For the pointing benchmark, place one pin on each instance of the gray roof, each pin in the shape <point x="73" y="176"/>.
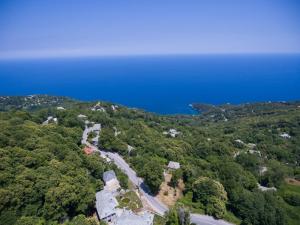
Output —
<point x="109" y="175"/>
<point x="97" y="127"/>
<point x="129" y="218"/>
<point x="174" y="165"/>
<point x="106" y="204"/>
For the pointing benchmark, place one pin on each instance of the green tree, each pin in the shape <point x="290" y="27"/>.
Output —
<point x="153" y="175"/>
<point x="212" y="195"/>
<point x="25" y="220"/>
<point x="172" y="217"/>
<point x="204" y="188"/>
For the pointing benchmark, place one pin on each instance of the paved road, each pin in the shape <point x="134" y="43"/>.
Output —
<point x="159" y="207"/>
<point x="207" y="220"/>
<point x="95" y="128"/>
<point x="154" y="203"/>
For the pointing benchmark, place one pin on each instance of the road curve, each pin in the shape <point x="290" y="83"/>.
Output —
<point x="155" y="204"/>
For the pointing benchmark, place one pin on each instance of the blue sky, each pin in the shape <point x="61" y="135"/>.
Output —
<point x="64" y="28"/>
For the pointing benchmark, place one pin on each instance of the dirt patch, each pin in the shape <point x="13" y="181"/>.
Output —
<point x="292" y="181"/>
<point x="169" y="195"/>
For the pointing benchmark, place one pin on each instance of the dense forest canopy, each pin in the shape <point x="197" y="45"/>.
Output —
<point x="224" y="152"/>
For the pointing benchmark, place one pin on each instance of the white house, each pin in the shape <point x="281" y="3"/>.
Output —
<point x="106" y="205"/>
<point x="111" y="181"/>
<point x="173" y="165"/>
<point x="255" y="152"/>
<point x="98" y="107"/>
<point x="81" y="116"/>
<point x="262" y="188"/>
<point x="239" y="141"/>
<point x="285" y="135"/>
<point x="114" y="107"/>
<point x="50" y="119"/>
<point x="172" y="132"/>
<point x="130" y="218"/>
<point x="97" y="127"/>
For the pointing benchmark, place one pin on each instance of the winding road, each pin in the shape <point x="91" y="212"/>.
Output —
<point x="153" y="202"/>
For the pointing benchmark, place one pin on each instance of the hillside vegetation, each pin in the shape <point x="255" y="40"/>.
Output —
<point x="224" y="153"/>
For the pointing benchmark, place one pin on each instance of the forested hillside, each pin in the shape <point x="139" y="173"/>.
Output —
<point x="224" y="154"/>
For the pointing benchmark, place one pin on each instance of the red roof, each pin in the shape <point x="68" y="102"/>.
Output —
<point x="88" y="150"/>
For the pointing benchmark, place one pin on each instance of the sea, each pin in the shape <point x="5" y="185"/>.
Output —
<point x="164" y="84"/>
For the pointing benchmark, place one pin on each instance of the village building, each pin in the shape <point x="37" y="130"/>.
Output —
<point x="50" y="119"/>
<point x="262" y="188"/>
<point x="114" y="107"/>
<point x="116" y="131"/>
<point x="239" y="141"/>
<point x="97" y="127"/>
<point x="98" y="107"/>
<point x="263" y="170"/>
<point x="129" y="148"/>
<point x="174" y="165"/>
<point x="108" y="209"/>
<point x="255" y="152"/>
<point x="130" y="218"/>
<point x="251" y="145"/>
<point x="172" y="132"/>
<point x="285" y="135"/>
<point x="106" y="205"/>
<point x="111" y="182"/>
<point x="81" y="116"/>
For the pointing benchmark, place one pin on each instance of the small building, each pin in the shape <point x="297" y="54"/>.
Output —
<point x="106" y="205"/>
<point x="172" y="132"/>
<point x="129" y="148"/>
<point x="174" y="165"/>
<point x="111" y="181"/>
<point x="285" y="135"/>
<point x="81" y="116"/>
<point x="255" y="152"/>
<point x="50" y="119"/>
<point x="98" y="107"/>
<point x="262" y="188"/>
<point x="97" y="127"/>
<point x="60" y="108"/>
<point x="251" y="146"/>
<point x="263" y="170"/>
<point x="130" y="218"/>
<point x="114" y="107"/>
<point x="239" y="141"/>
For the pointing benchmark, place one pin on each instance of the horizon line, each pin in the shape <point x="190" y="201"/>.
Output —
<point x="66" y="55"/>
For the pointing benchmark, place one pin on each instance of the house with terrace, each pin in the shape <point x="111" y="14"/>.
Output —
<point x="111" y="182"/>
<point x="106" y="205"/>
